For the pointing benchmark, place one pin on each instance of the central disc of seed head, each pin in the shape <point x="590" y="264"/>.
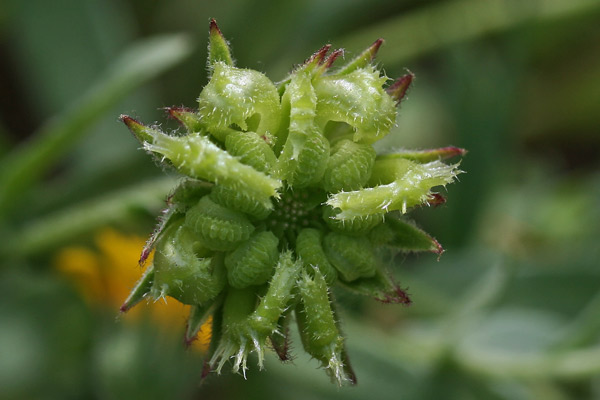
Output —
<point x="294" y="211"/>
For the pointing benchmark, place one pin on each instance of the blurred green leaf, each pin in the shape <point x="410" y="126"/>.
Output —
<point x="141" y="63"/>
<point x="442" y="23"/>
<point x="54" y="229"/>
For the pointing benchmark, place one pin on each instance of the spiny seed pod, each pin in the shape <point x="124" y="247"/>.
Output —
<point x="265" y="319"/>
<point x="252" y="262"/>
<point x="247" y="325"/>
<point x="304" y="156"/>
<point x="217" y="227"/>
<point x="179" y="201"/>
<point x="318" y="329"/>
<point x="235" y="95"/>
<point x="397" y="184"/>
<point x="358" y="99"/>
<point x="180" y="273"/>
<point x="198" y="157"/>
<point x="284" y="198"/>
<point x="234" y="342"/>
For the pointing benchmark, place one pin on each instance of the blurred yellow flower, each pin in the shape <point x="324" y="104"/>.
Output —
<point x="104" y="276"/>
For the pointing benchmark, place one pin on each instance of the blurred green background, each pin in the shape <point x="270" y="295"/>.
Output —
<point x="510" y="311"/>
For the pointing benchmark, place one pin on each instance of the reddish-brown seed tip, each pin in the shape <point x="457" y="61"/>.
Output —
<point x="374" y="48"/>
<point x="205" y="369"/>
<point x="133" y="124"/>
<point x="214" y="28"/>
<point x="436" y="199"/>
<point x="175" y="113"/>
<point x="350" y="374"/>
<point x="439" y="250"/>
<point x="187" y="341"/>
<point x="352" y="378"/>
<point x="171" y="112"/>
<point x="403" y="297"/>
<point x="332" y="57"/>
<point x="396" y="296"/>
<point x="124" y="308"/>
<point x="451" y="151"/>
<point x="282" y="348"/>
<point x="318" y="56"/>
<point x="400" y="87"/>
<point x="144" y="256"/>
<point x="127" y="120"/>
<point x="437" y="247"/>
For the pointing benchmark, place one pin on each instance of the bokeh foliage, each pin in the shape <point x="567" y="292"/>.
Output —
<point x="509" y="312"/>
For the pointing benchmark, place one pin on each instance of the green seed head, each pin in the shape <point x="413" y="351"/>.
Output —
<point x="285" y="197"/>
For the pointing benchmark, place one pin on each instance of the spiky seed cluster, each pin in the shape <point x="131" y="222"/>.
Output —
<point x="284" y="197"/>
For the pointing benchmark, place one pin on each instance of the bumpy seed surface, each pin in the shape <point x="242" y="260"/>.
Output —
<point x="218" y="227"/>
<point x="239" y="201"/>
<point x="233" y="95"/>
<point x="359" y="100"/>
<point x="252" y="150"/>
<point x="280" y="293"/>
<point x="309" y="248"/>
<point x="253" y="261"/>
<point x="349" y="167"/>
<point x="316" y="314"/>
<point x="180" y="273"/>
<point x="352" y="226"/>
<point x="308" y="166"/>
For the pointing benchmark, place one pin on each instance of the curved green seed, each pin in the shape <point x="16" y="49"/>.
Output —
<point x="352" y="257"/>
<point x="349" y="166"/>
<point x="264" y="320"/>
<point x="308" y="166"/>
<point x="352" y="226"/>
<point x="305" y="153"/>
<point x="358" y="99"/>
<point x="240" y="201"/>
<point x="218" y="227"/>
<point x="404" y="236"/>
<point x="251" y="150"/>
<point x="234" y="95"/>
<point x="180" y="273"/>
<point x="253" y="261"/>
<point x="398" y="185"/>
<point x="196" y="156"/>
<point x="317" y="325"/>
<point x="232" y="329"/>
<point x="309" y="249"/>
